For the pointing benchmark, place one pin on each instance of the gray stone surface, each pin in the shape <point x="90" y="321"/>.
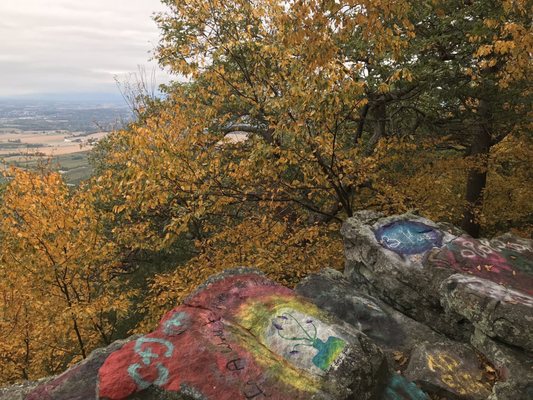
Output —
<point x="395" y="272"/>
<point x="514" y="368"/>
<point x="78" y="382"/>
<point x="20" y="390"/>
<point x="499" y="312"/>
<point x="390" y="329"/>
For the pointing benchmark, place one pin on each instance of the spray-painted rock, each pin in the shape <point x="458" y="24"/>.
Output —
<point x="390" y="329"/>
<point x="494" y="289"/>
<point x="407" y="261"/>
<point x="242" y="336"/>
<point x="514" y="369"/>
<point x="506" y="260"/>
<point x="332" y="292"/>
<point x="449" y="370"/>
<point x="387" y="256"/>
<point x="78" y="382"/>
<point x="399" y="388"/>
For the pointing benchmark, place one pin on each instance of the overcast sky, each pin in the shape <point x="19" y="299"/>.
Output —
<point x="51" y="46"/>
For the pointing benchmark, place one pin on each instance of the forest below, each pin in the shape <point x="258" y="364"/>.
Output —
<point x="389" y="105"/>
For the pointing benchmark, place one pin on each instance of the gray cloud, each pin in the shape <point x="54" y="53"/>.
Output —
<point x="72" y="45"/>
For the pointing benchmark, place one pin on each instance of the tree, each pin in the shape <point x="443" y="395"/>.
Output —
<point x="59" y="296"/>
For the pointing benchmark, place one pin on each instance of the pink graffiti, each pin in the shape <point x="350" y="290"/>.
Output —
<point x="494" y="262"/>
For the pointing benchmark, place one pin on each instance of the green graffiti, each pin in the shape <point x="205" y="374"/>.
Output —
<point x="146" y="356"/>
<point x="328" y="351"/>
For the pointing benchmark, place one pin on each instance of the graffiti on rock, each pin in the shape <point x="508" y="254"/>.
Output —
<point x="226" y="340"/>
<point x="450" y="371"/>
<point x="303" y="339"/>
<point x="406" y="237"/>
<point x="176" y="324"/>
<point x="505" y="264"/>
<point x="399" y="388"/>
<point x="148" y="354"/>
<point x="304" y="334"/>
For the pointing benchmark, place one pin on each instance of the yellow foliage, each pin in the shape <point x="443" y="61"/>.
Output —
<point x="57" y="293"/>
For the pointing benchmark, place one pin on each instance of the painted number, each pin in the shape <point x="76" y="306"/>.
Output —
<point x="147" y="355"/>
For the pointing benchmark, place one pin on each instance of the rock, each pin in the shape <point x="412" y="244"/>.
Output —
<point x="19" y="391"/>
<point x="514" y="368"/>
<point x="497" y="311"/>
<point x="449" y="370"/>
<point x="387" y="256"/>
<point x="495" y="292"/>
<point x="409" y="286"/>
<point x="408" y="262"/>
<point x="391" y="330"/>
<point x="78" y="382"/>
<point x="242" y="336"/>
<point x="399" y="388"/>
<point x="330" y="291"/>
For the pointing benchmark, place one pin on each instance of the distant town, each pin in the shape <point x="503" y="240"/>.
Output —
<point x="57" y="130"/>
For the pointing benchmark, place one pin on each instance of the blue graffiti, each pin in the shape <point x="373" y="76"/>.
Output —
<point x="176" y="324"/>
<point x="408" y="237"/>
<point x="146" y="357"/>
<point x="162" y="376"/>
<point x="400" y="388"/>
<point x="327" y="351"/>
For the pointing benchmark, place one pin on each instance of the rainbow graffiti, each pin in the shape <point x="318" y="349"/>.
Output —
<point x="296" y="330"/>
<point x="240" y="332"/>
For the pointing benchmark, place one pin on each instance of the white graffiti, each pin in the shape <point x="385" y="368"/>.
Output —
<point x="472" y="251"/>
<point x="483" y="248"/>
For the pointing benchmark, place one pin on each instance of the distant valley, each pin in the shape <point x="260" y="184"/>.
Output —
<point x="59" y="130"/>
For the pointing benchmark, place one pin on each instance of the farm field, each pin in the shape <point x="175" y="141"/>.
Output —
<point x="73" y="166"/>
<point x="65" y="152"/>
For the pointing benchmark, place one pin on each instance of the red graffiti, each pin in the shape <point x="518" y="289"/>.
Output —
<point x="196" y="345"/>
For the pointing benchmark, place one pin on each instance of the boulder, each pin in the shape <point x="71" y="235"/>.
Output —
<point x="242" y="336"/>
<point x="514" y="368"/>
<point x="498" y="311"/>
<point x="446" y="279"/>
<point x="387" y="256"/>
<point x="79" y="381"/>
<point x="410" y="346"/>
<point x="391" y="330"/>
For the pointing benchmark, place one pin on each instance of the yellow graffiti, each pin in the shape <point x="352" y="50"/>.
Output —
<point x="448" y="369"/>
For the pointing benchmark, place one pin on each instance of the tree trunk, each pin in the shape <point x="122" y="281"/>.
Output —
<point x="477" y="175"/>
<point x="379" y="114"/>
